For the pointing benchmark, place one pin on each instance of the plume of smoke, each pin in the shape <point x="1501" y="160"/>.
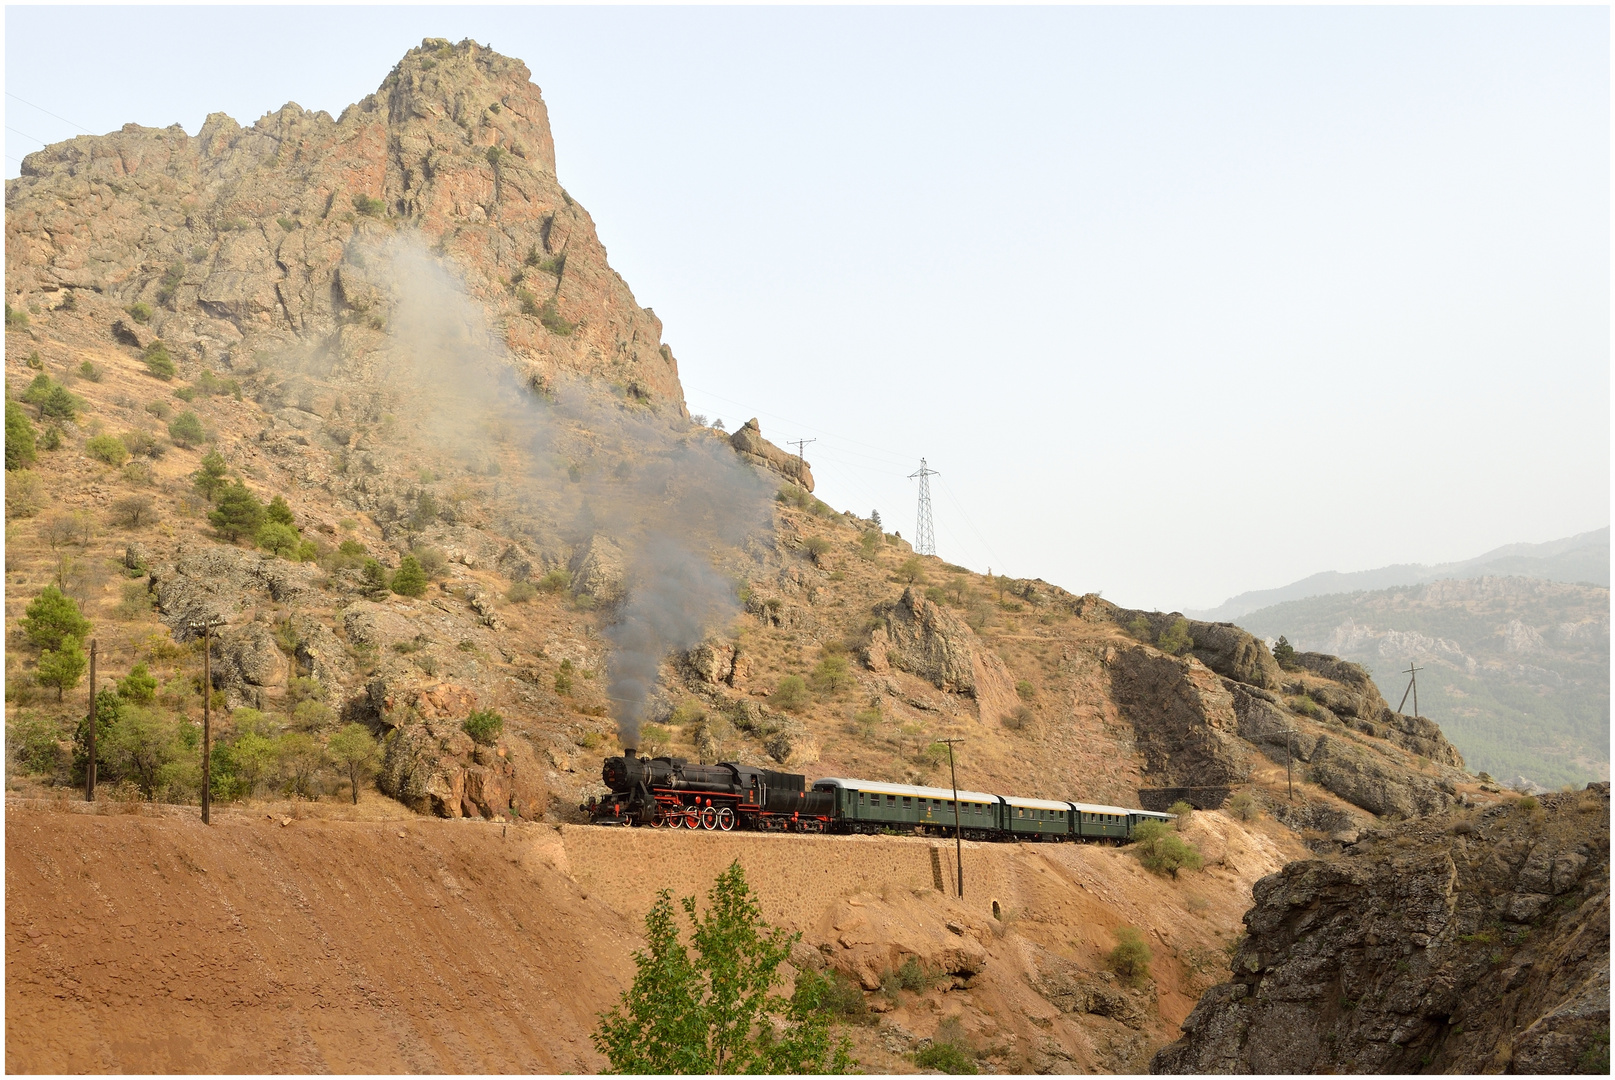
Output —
<point x="674" y="500"/>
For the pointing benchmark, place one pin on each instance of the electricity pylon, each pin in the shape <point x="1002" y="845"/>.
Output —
<point x="924" y="535"/>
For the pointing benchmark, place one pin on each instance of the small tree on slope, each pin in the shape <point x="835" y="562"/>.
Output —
<point x="714" y="1013"/>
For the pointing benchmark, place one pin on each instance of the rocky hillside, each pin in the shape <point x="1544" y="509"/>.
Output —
<point x="401" y="325"/>
<point x="1475" y="943"/>
<point x="365" y="394"/>
<point x="1516" y="669"/>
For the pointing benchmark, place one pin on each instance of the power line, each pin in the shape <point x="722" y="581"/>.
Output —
<point x="47" y="112"/>
<point x="959" y="505"/>
<point x="25" y="135"/>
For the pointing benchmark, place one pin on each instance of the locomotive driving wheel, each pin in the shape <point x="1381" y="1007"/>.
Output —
<point x="675" y="820"/>
<point x="726" y="819"/>
<point x="709" y="819"/>
<point x="692" y="818"/>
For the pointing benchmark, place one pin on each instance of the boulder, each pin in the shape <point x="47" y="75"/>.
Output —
<point x="748" y="441"/>
<point x="247" y="661"/>
<point x="433" y="767"/>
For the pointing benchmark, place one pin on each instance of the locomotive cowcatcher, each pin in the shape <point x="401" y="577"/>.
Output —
<point x="672" y="792"/>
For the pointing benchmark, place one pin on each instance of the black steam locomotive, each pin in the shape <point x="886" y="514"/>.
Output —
<point x="672" y="792"/>
<point x="669" y="792"/>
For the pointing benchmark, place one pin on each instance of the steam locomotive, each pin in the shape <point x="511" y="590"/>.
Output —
<point x="670" y="792"/>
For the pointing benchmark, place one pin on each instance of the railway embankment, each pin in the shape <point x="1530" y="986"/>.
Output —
<point x="148" y="942"/>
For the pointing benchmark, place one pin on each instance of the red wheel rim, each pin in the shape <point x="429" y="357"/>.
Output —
<point x="726" y="819"/>
<point x="656" y="822"/>
<point x="709" y="819"/>
<point x="675" y="821"/>
<point x="692" y="819"/>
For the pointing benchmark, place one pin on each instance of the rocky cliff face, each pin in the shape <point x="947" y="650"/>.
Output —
<point x="1469" y="944"/>
<point x="246" y="240"/>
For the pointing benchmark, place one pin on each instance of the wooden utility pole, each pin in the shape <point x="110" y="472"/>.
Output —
<point x="1289" y="752"/>
<point x="1413" y="688"/>
<point x="958" y="840"/>
<point x="89" y="770"/>
<point x="206" y="627"/>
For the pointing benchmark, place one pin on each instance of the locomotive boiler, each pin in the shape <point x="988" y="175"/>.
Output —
<point x="674" y="793"/>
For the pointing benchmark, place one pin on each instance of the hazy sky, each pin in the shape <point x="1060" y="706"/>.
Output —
<point x="1181" y="302"/>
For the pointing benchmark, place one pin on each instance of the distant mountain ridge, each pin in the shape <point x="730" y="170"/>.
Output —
<point x="1579" y="559"/>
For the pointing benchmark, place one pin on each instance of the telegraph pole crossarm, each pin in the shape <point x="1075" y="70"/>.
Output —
<point x="958" y="841"/>
<point x="205" y="627"/>
<point x="801" y="465"/>
<point x="1413" y="688"/>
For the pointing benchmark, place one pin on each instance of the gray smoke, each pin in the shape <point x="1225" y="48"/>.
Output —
<point x="579" y="463"/>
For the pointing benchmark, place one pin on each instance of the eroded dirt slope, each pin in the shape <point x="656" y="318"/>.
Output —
<point x="148" y="942"/>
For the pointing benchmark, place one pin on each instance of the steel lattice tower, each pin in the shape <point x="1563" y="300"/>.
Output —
<point x="924" y="535"/>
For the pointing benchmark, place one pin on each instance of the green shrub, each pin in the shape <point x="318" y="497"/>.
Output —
<point x="529" y="303"/>
<point x="1175" y="639"/>
<point x="410" y="580"/>
<point x="832" y="673"/>
<point x="790" y="694"/>
<point x="950" y="1051"/>
<point x="370" y="207"/>
<point x="173" y="277"/>
<point x="1284" y="653"/>
<point x="869" y="544"/>
<point x="913" y="976"/>
<point x="521" y="591"/>
<point x="484" y="726"/>
<point x="654" y="740"/>
<point x="52" y="616"/>
<point x="817" y="548"/>
<point x="912" y="570"/>
<point x="563" y="678"/>
<point x="139" y="687"/>
<point x="108" y="449"/>
<point x="139" y="312"/>
<point x="238" y="513"/>
<point x="1140" y="628"/>
<point x="54" y="401"/>
<point x="1528" y="803"/>
<point x="88" y="370"/>
<point x="63" y="666"/>
<point x="15" y="318"/>
<point x="374" y="579"/>
<point x="1243" y="806"/>
<point x="20" y="444"/>
<point x="286" y="223"/>
<point x="1304" y="705"/>
<point x="278" y="538"/>
<point x="209" y="481"/>
<point x="33" y="742"/>
<point x="186" y="429"/>
<point x="1162" y="850"/>
<point x="555" y="581"/>
<point x="1025" y="690"/>
<point x="550" y="316"/>
<point x="280" y="513"/>
<point x="142" y="442"/>
<point x="1131" y="957"/>
<point x="24" y="494"/>
<point x="158" y="362"/>
<point x="51" y="439"/>
<point x="1183" y="811"/>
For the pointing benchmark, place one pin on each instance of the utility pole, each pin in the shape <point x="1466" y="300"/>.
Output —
<point x="801" y="465"/>
<point x="1289" y="752"/>
<point x="1413" y="688"/>
<point x="206" y="627"/>
<point x="89" y="770"/>
<point x="958" y="841"/>
<point x="924" y="536"/>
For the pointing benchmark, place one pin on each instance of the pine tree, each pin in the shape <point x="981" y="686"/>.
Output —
<point x="714" y="1012"/>
<point x="20" y="450"/>
<point x="410" y="579"/>
<point x="238" y="514"/>
<point x="278" y="512"/>
<point x="63" y="667"/>
<point x="53" y="616"/>
<point x="139" y="686"/>
<point x="209" y="480"/>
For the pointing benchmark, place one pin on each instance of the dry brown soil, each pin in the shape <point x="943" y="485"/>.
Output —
<point x="144" y="941"/>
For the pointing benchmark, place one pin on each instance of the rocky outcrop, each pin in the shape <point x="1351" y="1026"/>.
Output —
<point x="1351" y="694"/>
<point x="599" y="571"/>
<point x="751" y="445"/>
<point x="217" y="581"/>
<point x="786" y="739"/>
<point x="1183" y="718"/>
<point x="248" y="239"/>
<point x="247" y="662"/>
<point x="1465" y="945"/>
<point x="921" y="638"/>
<point x="1222" y="647"/>
<point x="433" y="767"/>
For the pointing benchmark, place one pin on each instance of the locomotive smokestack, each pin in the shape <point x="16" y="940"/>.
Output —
<point x="628" y="752"/>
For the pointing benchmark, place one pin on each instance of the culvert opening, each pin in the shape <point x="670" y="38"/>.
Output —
<point x="997" y="914"/>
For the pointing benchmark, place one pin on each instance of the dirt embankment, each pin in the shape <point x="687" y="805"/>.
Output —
<point x="151" y="943"/>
